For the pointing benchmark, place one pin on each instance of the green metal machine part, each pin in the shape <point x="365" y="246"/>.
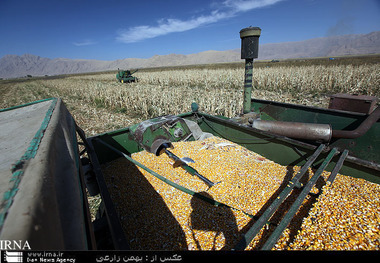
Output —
<point x="125" y="76"/>
<point x="156" y="136"/>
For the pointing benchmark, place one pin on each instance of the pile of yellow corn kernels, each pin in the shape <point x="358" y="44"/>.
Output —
<point x="156" y="216"/>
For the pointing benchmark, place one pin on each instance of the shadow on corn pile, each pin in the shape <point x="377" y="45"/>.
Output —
<point x="147" y="221"/>
<point x="295" y="224"/>
<point x="207" y="217"/>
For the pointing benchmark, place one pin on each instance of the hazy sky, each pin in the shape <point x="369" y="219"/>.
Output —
<point x="117" y="29"/>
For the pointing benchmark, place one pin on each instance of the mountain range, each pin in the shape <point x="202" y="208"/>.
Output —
<point x="12" y="66"/>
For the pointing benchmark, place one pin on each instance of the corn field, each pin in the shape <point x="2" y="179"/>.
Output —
<point x="99" y="103"/>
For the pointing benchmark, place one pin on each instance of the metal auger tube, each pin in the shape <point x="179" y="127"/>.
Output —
<point x="188" y="168"/>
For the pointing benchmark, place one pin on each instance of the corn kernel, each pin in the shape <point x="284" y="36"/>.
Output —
<point x="156" y="216"/>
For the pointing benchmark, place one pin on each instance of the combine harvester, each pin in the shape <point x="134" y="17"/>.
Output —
<point x="44" y="175"/>
<point x="125" y="76"/>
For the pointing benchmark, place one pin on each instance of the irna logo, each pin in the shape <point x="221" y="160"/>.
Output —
<point x="14" y="245"/>
<point x="11" y="256"/>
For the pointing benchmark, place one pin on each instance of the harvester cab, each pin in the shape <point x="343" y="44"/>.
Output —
<point x="125" y="76"/>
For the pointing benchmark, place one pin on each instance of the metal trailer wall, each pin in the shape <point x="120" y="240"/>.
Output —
<point x="42" y="200"/>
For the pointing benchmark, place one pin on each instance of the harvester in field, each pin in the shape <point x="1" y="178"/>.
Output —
<point x="190" y="198"/>
<point x="125" y="76"/>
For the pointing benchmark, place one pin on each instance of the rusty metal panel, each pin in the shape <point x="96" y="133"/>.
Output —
<point x="355" y="103"/>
